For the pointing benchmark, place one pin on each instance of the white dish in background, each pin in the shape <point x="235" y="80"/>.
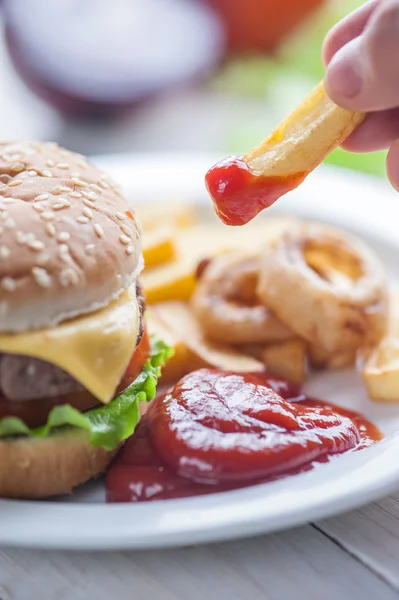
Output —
<point x="367" y="207"/>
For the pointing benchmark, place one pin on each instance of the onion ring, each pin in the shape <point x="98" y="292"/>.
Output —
<point x="327" y="287"/>
<point x="226" y="305"/>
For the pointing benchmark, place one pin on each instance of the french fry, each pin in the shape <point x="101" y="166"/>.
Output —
<point x="178" y="318"/>
<point x="381" y="368"/>
<point x="304" y="139"/>
<point x="159" y="246"/>
<point x="241" y="187"/>
<point x="183" y="360"/>
<point x="287" y="360"/>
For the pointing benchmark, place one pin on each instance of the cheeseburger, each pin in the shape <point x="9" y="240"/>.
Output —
<point x="75" y="356"/>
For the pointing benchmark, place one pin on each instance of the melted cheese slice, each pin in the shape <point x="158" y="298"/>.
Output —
<point x="95" y="348"/>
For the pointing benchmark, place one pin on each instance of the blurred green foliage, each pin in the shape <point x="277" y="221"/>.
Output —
<point x="284" y="80"/>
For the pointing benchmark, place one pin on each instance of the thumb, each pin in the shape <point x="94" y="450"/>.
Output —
<point x="364" y="74"/>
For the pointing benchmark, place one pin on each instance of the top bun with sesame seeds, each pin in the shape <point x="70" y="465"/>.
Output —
<point x="69" y="242"/>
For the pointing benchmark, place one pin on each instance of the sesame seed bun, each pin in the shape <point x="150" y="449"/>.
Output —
<point x="38" y="468"/>
<point x="69" y="242"/>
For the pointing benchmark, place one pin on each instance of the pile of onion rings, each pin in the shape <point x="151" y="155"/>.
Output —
<point x="313" y="282"/>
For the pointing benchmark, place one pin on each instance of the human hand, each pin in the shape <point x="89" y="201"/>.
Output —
<point x="361" y="54"/>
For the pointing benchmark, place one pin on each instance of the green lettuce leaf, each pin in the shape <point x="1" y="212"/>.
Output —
<point x="107" y="425"/>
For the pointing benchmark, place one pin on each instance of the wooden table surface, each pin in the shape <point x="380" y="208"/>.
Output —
<point x="354" y="556"/>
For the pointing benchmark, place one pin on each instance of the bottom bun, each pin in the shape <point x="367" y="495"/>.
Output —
<point x="38" y="468"/>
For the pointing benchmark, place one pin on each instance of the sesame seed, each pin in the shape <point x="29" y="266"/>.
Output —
<point x="127" y="230"/>
<point x="124" y="239"/>
<point x="79" y="182"/>
<point x="63" y="249"/>
<point x="47" y="173"/>
<point x="75" y="195"/>
<point x="15" y="182"/>
<point x="120" y="216"/>
<point x="82" y="220"/>
<point x="89" y="195"/>
<point x="32" y="173"/>
<point x="68" y="276"/>
<point x="103" y="184"/>
<point x="17" y="167"/>
<point x="36" y="245"/>
<point x="50" y="162"/>
<point x="88" y="212"/>
<point x="64" y="236"/>
<point x="129" y="249"/>
<point x="65" y="189"/>
<point x="9" y="223"/>
<point x="9" y="200"/>
<point x="89" y="203"/>
<point x="4" y="252"/>
<point x="41" y="277"/>
<point x="48" y="215"/>
<point x="81" y="163"/>
<point x="2" y="185"/>
<point x="8" y="284"/>
<point x="60" y="205"/>
<point x="95" y="188"/>
<point x="63" y="166"/>
<point x="42" y="197"/>
<point x="98" y="230"/>
<point x="38" y="207"/>
<point x="43" y="258"/>
<point x="21" y="237"/>
<point x="90" y="248"/>
<point x="4" y="214"/>
<point x="56" y="190"/>
<point x="50" y="229"/>
<point x="30" y="238"/>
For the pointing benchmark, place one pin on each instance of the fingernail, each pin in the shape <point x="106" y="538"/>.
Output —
<point x="344" y="75"/>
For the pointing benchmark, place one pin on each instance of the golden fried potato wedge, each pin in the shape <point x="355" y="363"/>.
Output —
<point x="183" y="360"/>
<point x="241" y="187"/>
<point x="287" y="360"/>
<point x="381" y="369"/>
<point x="178" y="318"/>
<point x="159" y="246"/>
<point x="304" y="139"/>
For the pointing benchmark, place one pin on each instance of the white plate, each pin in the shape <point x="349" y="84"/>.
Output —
<point x="83" y="521"/>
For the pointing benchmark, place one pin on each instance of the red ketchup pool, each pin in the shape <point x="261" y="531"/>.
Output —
<point x="217" y="431"/>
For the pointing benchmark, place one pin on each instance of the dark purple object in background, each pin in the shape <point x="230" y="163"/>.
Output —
<point x="96" y="57"/>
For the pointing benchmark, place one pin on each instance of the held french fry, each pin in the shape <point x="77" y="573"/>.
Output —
<point x="241" y="187"/>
